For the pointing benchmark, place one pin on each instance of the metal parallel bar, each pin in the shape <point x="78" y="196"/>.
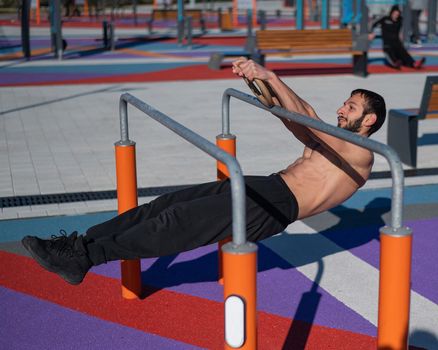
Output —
<point x="380" y="148"/>
<point x="236" y="176"/>
<point x="123" y="113"/>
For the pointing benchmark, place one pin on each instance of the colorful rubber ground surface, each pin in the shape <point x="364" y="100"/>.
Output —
<point x="305" y="280"/>
<point x="157" y="57"/>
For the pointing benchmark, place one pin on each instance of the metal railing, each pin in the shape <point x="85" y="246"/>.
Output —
<point x="395" y="240"/>
<point x="386" y="151"/>
<point x="238" y="257"/>
<point x="236" y="176"/>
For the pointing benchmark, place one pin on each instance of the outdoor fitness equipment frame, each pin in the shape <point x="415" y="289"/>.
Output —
<point x="239" y="256"/>
<point x="395" y="240"/>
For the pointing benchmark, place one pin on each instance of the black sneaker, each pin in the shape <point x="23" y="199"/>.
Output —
<point x="64" y="255"/>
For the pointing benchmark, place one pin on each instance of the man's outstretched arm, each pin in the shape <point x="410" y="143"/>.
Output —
<point x="285" y="96"/>
<point x="289" y="100"/>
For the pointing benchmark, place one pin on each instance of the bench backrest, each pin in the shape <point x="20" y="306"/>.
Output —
<point x="304" y="39"/>
<point x="168" y="14"/>
<point x="429" y="101"/>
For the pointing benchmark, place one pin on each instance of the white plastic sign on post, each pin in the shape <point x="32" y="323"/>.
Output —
<point x="234" y="321"/>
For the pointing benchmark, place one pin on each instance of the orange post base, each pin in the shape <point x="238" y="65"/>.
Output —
<point x="394" y="292"/>
<point x="240" y="273"/>
<point x="131" y="279"/>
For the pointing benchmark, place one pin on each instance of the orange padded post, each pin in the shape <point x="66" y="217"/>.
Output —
<point x="235" y="14"/>
<point x="86" y="8"/>
<point x="228" y="144"/>
<point x="254" y="13"/>
<point x="226" y="21"/>
<point x="240" y="271"/>
<point x="394" y="291"/>
<point x="127" y="199"/>
<point x="37" y="12"/>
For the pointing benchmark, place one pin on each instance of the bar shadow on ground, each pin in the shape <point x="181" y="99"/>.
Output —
<point x="428" y="139"/>
<point x="164" y="273"/>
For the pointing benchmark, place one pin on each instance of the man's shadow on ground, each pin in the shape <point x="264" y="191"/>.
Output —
<point x="353" y="228"/>
<point x="164" y="273"/>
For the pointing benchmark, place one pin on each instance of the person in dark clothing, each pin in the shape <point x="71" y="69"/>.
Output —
<point x="393" y="48"/>
<point x="417" y="7"/>
<point x="329" y="171"/>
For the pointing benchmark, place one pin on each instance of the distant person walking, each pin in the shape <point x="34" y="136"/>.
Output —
<point x="417" y="6"/>
<point x="393" y="48"/>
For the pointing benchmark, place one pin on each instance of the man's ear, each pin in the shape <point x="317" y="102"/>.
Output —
<point x="370" y="119"/>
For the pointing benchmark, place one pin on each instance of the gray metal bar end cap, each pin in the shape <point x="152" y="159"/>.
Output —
<point x="245" y="248"/>
<point x="396" y="232"/>
<point x="226" y="137"/>
<point x="124" y="143"/>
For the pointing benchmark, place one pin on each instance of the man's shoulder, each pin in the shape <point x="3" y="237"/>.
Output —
<point x="359" y="156"/>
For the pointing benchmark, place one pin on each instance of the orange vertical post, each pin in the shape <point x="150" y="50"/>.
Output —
<point x="228" y="144"/>
<point x="394" y="290"/>
<point x="240" y="295"/>
<point x="254" y="13"/>
<point x="37" y="12"/>
<point x="235" y="14"/>
<point x="126" y="174"/>
<point x="226" y="21"/>
<point x="86" y="9"/>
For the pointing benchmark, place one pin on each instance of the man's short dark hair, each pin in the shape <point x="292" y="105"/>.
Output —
<point x="374" y="103"/>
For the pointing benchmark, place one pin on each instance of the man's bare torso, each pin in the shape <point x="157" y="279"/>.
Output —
<point x="320" y="181"/>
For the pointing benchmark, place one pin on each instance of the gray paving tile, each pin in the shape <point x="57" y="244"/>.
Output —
<point x="102" y="204"/>
<point x="22" y="190"/>
<point x="8" y="216"/>
<point x="64" y="211"/>
<point x="52" y="188"/>
<point x="31" y="214"/>
<point x="6" y="192"/>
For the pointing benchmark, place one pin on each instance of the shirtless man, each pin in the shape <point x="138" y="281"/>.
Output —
<point x="333" y="168"/>
<point x="329" y="171"/>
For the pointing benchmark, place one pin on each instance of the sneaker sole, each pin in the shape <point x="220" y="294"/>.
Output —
<point x="47" y="266"/>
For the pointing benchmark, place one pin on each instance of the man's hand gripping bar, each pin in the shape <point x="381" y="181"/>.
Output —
<point x="262" y="91"/>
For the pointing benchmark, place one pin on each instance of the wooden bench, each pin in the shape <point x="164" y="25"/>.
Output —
<point x="403" y="123"/>
<point x="312" y="42"/>
<point x="172" y="15"/>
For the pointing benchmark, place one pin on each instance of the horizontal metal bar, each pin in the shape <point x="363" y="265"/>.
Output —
<point x="380" y="148"/>
<point x="236" y="175"/>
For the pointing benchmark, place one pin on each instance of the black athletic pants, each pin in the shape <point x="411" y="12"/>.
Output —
<point x="397" y="52"/>
<point x="190" y="218"/>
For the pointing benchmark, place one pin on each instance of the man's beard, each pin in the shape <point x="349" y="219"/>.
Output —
<point x="355" y="125"/>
